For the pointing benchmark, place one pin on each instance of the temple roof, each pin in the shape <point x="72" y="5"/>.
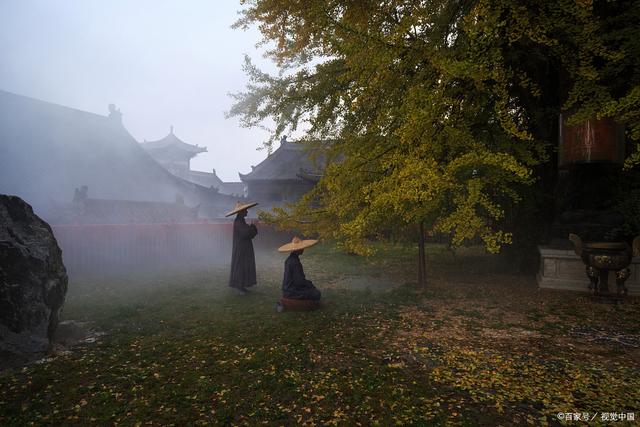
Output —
<point x="287" y="163"/>
<point x="173" y="142"/>
<point x="206" y="179"/>
<point x="48" y="150"/>
<point x="232" y="188"/>
<point x="210" y="179"/>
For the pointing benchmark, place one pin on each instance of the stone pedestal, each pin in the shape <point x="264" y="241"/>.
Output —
<point x="563" y="269"/>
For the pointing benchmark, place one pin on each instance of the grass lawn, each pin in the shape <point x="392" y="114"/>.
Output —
<point x="481" y="346"/>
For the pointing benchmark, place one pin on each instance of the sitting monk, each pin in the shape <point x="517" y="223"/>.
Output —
<point x="294" y="284"/>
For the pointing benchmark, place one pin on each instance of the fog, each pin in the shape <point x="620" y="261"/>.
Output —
<point x="77" y="160"/>
<point x="135" y="216"/>
<point x="161" y="63"/>
<point x="134" y="250"/>
<point x="48" y="151"/>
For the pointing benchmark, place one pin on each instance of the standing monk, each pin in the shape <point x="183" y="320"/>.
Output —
<point x="243" y="260"/>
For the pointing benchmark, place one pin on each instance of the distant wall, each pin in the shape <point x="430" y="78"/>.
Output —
<point x="116" y="249"/>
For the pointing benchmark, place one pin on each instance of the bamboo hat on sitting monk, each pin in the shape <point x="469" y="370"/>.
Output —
<point x="241" y="207"/>
<point x="297" y="244"/>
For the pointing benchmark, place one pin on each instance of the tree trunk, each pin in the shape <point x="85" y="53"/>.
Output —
<point x="422" y="266"/>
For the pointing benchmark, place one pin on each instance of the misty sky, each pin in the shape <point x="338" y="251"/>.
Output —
<point x="161" y="62"/>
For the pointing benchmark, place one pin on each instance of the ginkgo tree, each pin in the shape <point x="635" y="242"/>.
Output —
<point x="432" y="114"/>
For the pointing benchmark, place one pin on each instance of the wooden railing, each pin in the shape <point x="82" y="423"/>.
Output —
<point x="124" y="248"/>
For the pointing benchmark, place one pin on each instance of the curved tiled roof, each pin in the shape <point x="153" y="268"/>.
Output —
<point x="173" y="141"/>
<point x="284" y="164"/>
<point x="48" y="150"/>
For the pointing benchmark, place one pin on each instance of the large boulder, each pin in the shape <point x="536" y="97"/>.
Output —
<point x="33" y="281"/>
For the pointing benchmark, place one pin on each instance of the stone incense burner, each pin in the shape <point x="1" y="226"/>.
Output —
<point x="602" y="257"/>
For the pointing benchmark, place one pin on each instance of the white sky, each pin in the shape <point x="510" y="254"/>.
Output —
<point x="162" y="62"/>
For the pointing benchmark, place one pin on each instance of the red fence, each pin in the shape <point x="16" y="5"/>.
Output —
<point x="122" y="248"/>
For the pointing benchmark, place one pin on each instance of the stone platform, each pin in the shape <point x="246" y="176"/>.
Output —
<point x="563" y="269"/>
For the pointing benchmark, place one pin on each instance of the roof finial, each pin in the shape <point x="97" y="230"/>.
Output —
<point x="283" y="140"/>
<point x="171" y="129"/>
<point x="115" y="114"/>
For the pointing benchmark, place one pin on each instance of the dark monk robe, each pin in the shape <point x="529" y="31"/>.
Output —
<point x="294" y="284"/>
<point x="243" y="261"/>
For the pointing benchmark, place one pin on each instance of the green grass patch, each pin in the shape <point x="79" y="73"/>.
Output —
<point x="183" y="349"/>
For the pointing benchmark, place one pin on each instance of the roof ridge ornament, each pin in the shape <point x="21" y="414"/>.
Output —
<point x="115" y="114"/>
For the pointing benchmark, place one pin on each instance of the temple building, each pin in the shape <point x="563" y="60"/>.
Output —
<point x="210" y="179"/>
<point x="175" y="155"/>
<point x="284" y="176"/>
<point x="48" y="151"/>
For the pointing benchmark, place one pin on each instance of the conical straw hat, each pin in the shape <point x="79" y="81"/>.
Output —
<point x="297" y="244"/>
<point x="240" y="207"/>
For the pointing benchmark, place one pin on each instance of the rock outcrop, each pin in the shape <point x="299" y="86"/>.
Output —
<point x="33" y="281"/>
